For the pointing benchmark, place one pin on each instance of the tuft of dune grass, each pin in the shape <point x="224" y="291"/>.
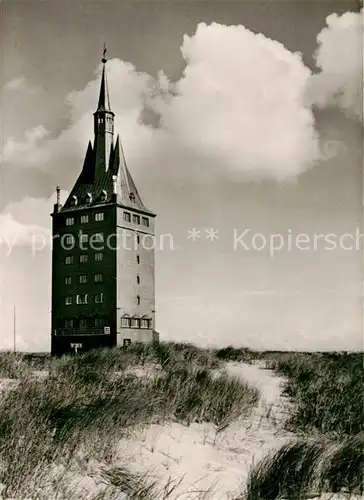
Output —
<point x="327" y="391"/>
<point x="304" y="469"/>
<point x="82" y="404"/>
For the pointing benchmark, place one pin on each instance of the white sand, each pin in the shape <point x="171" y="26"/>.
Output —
<point x="201" y="458"/>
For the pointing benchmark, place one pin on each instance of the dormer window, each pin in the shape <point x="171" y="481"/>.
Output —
<point x="74" y="200"/>
<point x="103" y="195"/>
<point x="132" y="197"/>
<point x="88" y="198"/>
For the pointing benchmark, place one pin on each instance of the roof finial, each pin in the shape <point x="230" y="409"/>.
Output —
<point x="104" y="54"/>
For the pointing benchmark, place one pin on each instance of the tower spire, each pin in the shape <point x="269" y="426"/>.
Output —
<point x="104" y="99"/>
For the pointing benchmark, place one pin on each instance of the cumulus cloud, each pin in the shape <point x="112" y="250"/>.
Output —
<point x="32" y="151"/>
<point x="339" y="58"/>
<point x="223" y="115"/>
<point x="27" y="223"/>
<point x="20" y="84"/>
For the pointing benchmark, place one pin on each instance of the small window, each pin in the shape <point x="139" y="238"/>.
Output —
<point x="99" y="298"/>
<point x="138" y="280"/>
<point x="74" y="200"/>
<point x="82" y="298"/>
<point x="98" y="237"/>
<point x="68" y="280"/>
<point x="125" y="322"/>
<point x="99" y="256"/>
<point x="69" y="259"/>
<point x="126" y="342"/>
<point x="144" y="323"/>
<point x="68" y="301"/>
<point x="145" y="221"/>
<point x="83" y="322"/>
<point x="135" y="322"/>
<point x="88" y="198"/>
<point x="138" y="259"/>
<point x="70" y="221"/>
<point x="103" y="195"/>
<point x="127" y="216"/>
<point x="83" y="278"/>
<point x="132" y="197"/>
<point x="68" y="323"/>
<point x="84" y="219"/>
<point x="99" y="321"/>
<point x="136" y="219"/>
<point x="99" y="216"/>
<point x="84" y="238"/>
<point x="69" y="240"/>
<point x="83" y="258"/>
<point x="138" y="239"/>
<point x="138" y="300"/>
<point x="98" y="277"/>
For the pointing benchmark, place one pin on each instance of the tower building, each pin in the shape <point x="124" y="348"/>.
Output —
<point x="103" y="291"/>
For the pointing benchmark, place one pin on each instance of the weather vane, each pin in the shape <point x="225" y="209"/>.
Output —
<point x="104" y="54"/>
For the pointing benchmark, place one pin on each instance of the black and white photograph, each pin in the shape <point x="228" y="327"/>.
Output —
<point x="181" y="250"/>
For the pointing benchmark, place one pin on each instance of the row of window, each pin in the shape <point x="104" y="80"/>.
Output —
<point x="83" y="322"/>
<point x="84" y="238"/>
<point x="84" y="219"/>
<point x="83" y="259"/>
<point x="136" y="219"/>
<point x="127" y="322"/>
<point x="83" y="278"/>
<point x="83" y="298"/>
<point x="99" y="216"/>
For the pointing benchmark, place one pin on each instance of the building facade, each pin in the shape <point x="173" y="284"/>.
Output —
<point x="103" y="269"/>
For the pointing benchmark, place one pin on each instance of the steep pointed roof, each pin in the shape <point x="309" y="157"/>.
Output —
<point x="104" y="98"/>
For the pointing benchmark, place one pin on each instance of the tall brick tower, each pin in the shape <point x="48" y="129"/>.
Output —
<point x="103" y="250"/>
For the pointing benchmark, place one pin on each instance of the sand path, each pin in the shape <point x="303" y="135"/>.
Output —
<point x="202" y="460"/>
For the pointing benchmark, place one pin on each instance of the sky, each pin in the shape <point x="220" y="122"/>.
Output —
<point x="242" y="127"/>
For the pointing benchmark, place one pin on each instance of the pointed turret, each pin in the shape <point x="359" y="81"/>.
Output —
<point x="103" y="125"/>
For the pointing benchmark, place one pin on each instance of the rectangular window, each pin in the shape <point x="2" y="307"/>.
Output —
<point x="99" y="298"/>
<point x="99" y="321"/>
<point x="138" y="300"/>
<point x="69" y="240"/>
<point x="145" y="221"/>
<point x="84" y="238"/>
<point x="99" y="256"/>
<point x="68" y="280"/>
<point x="69" y="259"/>
<point x="138" y="280"/>
<point x="83" y="258"/>
<point x="70" y="221"/>
<point x="138" y="259"/>
<point x="68" y="323"/>
<point x="126" y="342"/>
<point x="125" y="322"/>
<point x="84" y="219"/>
<point x="127" y="216"/>
<point x="82" y="298"/>
<point x="98" y="237"/>
<point x="98" y="277"/>
<point x="83" y="278"/>
<point x="135" y="322"/>
<point x="68" y="301"/>
<point x="136" y="219"/>
<point x="144" y="323"/>
<point x="99" y="216"/>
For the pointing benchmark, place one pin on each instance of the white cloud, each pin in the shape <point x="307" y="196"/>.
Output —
<point x="32" y="151"/>
<point x="223" y="115"/>
<point x="340" y="59"/>
<point x="20" y="84"/>
<point x="27" y="223"/>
